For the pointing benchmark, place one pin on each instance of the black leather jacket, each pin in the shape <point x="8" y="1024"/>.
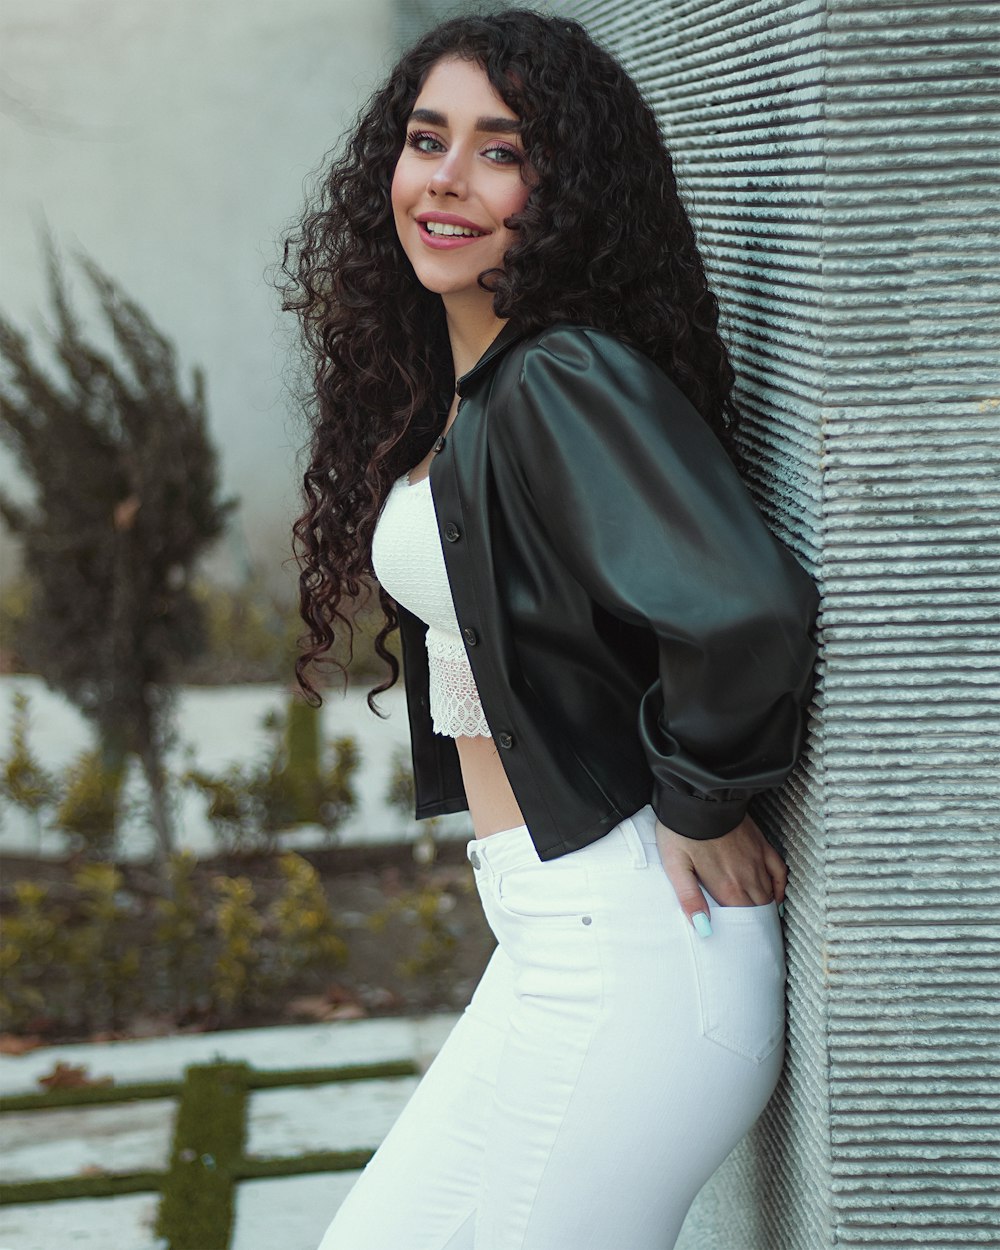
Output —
<point x="636" y="632"/>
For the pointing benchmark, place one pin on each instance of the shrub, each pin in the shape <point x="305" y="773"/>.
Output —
<point x="89" y="806"/>
<point x="238" y="927"/>
<point x="230" y="807"/>
<point x="75" y="964"/>
<point x="23" y="780"/>
<point x="425" y="908"/>
<point x="33" y="948"/>
<point x="15" y="613"/>
<point x="250" y="634"/>
<point x="337" y="795"/>
<point x="400" y="794"/>
<point x="104" y="962"/>
<point x="250" y="805"/>
<point x="179" y="934"/>
<point x="306" y="933"/>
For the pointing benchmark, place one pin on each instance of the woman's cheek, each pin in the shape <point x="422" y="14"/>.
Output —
<point x="395" y="190"/>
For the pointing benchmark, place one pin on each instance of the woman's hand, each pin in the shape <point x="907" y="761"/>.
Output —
<point x="740" y="869"/>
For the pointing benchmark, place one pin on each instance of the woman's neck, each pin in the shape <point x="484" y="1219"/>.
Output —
<point x="471" y="331"/>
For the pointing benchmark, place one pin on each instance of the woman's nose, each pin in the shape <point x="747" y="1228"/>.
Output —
<point x="449" y="176"/>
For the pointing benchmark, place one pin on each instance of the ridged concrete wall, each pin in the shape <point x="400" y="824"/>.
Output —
<point x="412" y="17"/>
<point x="840" y="161"/>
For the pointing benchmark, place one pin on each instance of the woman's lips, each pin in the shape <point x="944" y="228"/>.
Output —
<point x="447" y="241"/>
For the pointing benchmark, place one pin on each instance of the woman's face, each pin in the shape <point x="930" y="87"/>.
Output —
<point x="462" y="166"/>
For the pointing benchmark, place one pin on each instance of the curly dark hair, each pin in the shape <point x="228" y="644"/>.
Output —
<point x="603" y="240"/>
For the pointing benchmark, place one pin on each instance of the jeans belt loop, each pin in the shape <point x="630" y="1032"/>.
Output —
<point x="634" y="842"/>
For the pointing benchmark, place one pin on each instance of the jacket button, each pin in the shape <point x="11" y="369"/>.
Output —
<point x="506" y="740"/>
<point x="452" y="532"/>
<point x="470" y="636"/>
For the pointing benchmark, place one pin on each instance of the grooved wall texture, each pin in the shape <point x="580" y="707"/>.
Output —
<point x="412" y="17"/>
<point x="839" y="160"/>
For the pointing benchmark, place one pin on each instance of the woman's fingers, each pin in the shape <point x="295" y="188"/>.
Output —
<point x="682" y="876"/>
<point x="740" y="869"/>
<point x="778" y="870"/>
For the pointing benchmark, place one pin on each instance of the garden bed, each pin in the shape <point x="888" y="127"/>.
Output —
<point x="97" y="951"/>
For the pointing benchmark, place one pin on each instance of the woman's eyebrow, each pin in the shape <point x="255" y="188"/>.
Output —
<point x="504" y="125"/>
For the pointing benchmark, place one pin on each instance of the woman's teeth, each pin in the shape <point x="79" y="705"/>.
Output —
<point x="439" y="227"/>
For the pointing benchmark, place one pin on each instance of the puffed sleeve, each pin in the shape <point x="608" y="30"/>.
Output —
<point x="641" y="502"/>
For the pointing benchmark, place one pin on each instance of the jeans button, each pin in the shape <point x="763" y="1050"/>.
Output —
<point x="474" y="860"/>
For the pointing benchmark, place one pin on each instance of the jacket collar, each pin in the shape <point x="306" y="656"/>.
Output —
<point x="506" y="338"/>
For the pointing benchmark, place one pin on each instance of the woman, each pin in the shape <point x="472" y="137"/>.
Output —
<point x="522" y="421"/>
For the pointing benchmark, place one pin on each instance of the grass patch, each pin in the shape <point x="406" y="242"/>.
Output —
<point x="196" y="1211"/>
<point x="329" y="1076"/>
<point x="79" y="1187"/>
<point x="88" y="1096"/>
<point x="301" y="1165"/>
<point x="92" y="1095"/>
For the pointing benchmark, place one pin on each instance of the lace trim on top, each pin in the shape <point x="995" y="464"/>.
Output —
<point x="409" y="563"/>
<point x="456" y="710"/>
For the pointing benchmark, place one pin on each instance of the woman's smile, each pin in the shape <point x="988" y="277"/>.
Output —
<point x="447" y="230"/>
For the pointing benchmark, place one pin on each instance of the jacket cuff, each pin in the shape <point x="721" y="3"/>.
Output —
<point x="697" y="818"/>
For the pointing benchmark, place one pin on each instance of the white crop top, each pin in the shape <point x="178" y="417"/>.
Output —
<point x="409" y="564"/>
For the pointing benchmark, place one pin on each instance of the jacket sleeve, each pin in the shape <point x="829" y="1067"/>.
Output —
<point x="644" y="506"/>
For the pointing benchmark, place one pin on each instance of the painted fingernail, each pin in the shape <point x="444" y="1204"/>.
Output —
<point x="702" y="924"/>
<point x="781" y="909"/>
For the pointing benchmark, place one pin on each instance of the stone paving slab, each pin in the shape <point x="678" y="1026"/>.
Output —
<point x="284" y="1123"/>
<point x="64" y="1141"/>
<point x="287" y="1212"/>
<point x="121" y="1223"/>
<point x="294" y="1046"/>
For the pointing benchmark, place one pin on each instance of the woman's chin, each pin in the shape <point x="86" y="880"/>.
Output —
<point x="459" y="292"/>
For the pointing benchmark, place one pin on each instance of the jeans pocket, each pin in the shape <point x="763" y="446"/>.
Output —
<point x="740" y="972"/>
<point x="544" y="892"/>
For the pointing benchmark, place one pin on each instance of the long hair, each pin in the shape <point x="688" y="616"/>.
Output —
<point x="603" y="240"/>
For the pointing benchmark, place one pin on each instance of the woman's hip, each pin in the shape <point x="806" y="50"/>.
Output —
<point x="599" y="931"/>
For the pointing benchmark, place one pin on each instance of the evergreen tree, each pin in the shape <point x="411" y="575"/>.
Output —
<point x="126" y="499"/>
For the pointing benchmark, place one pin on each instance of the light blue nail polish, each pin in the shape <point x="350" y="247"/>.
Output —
<point x="702" y="924"/>
<point x="781" y="909"/>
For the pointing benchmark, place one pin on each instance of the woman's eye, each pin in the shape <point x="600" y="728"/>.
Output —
<point x="506" y="155"/>
<point x="418" y="138"/>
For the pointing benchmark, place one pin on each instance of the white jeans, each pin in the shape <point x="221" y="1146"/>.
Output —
<point x="607" y="1063"/>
